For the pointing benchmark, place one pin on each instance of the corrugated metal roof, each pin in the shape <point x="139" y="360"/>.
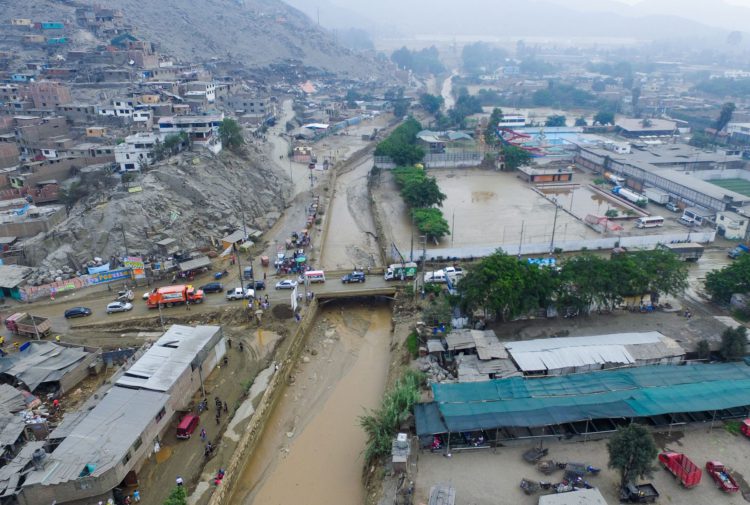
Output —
<point x="575" y="497"/>
<point x="103" y="437"/>
<point x="576" y="352"/>
<point x="41" y="362"/>
<point x="160" y="367"/>
<point x="12" y="276"/>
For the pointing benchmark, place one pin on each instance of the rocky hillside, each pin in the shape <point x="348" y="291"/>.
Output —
<point x="255" y="33"/>
<point x="192" y="198"/>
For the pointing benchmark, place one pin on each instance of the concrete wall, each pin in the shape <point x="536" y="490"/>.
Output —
<point x="635" y="242"/>
<point x="31" y="227"/>
<point x="71" y="379"/>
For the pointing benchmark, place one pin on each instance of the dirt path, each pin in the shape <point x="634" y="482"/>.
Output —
<point x="311" y="452"/>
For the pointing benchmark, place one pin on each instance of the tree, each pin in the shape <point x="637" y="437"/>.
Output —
<point x="725" y="116"/>
<point x="466" y="105"/>
<point x="230" y="133"/>
<point x="632" y="451"/>
<point x="401" y="146"/>
<point x="431" y="103"/>
<point x="734" y="278"/>
<point x="646" y="123"/>
<point x="490" y="133"/>
<point x="417" y="189"/>
<point x="581" y="121"/>
<point x="703" y="349"/>
<point x="604" y="118"/>
<point x="611" y="213"/>
<point x="482" y="57"/>
<point x="734" y="343"/>
<point x="431" y="223"/>
<point x="635" y="96"/>
<point x="178" y="496"/>
<point x="555" y="121"/>
<point x="505" y="287"/>
<point x="515" y="157"/>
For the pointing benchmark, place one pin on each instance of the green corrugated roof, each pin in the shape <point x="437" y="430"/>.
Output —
<point x="632" y="392"/>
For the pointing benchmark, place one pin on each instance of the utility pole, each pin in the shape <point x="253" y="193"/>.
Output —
<point x="124" y="240"/>
<point x="554" y="225"/>
<point x="453" y="227"/>
<point x="520" y="242"/>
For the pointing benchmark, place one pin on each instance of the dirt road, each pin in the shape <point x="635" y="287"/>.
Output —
<point x="311" y="452"/>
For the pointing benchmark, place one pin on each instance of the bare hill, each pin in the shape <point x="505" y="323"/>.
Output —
<point x="255" y="33"/>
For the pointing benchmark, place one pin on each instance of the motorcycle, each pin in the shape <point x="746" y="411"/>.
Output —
<point x="219" y="275"/>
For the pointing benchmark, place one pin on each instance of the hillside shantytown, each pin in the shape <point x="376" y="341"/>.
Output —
<point x="258" y="252"/>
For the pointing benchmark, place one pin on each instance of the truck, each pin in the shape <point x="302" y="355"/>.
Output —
<point x="614" y="179"/>
<point x="738" y="250"/>
<point x="745" y="427"/>
<point x="169" y="296"/>
<point x="656" y="195"/>
<point x="641" y="493"/>
<point x="26" y="325"/>
<point x="721" y="476"/>
<point x="681" y="467"/>
<point x="688" y="251"/>
<point x="397" y="271"/>
<point x="630" y="196"/>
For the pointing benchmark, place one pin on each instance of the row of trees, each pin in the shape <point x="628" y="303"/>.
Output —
<point x="401" y="145"/>
<point x="503" y="286"/>
<point x="422" y="194"/>
<point x="424" y="61"/>
<point x="465" y="106"/>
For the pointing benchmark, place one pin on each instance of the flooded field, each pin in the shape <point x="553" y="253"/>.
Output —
<point x="311" y="451"/>
<point x="486" y="207"/>
<point x="582" y="201"/>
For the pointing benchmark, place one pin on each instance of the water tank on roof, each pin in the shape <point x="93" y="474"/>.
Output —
<point x="38" y="458"/>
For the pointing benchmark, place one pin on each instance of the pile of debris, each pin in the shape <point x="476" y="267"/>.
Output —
<point x="435" y="373"/>
<point x="42" y="276"/>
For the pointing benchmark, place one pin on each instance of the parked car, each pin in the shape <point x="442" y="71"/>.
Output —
<point x="240" y="294"/>
<point x="213" y="287"/>
<point x="672" y="207"/>
<point x="259" y="285"/>
<point x="77" y="312"/>
<point x="119" y="307"/>
<point x="353" y="277"/>
<point x="286" y="284"/>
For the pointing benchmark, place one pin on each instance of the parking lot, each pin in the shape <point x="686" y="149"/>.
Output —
<point x="484" y="477"/>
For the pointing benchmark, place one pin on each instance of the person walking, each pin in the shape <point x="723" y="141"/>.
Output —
<point x="187" y="305"/>
<point x="179" y="481"/>
<point x="226" y="407"/>
<point x="229" y="342"/>
<point x="203" y="434"/>
<point x="136" y="496"/>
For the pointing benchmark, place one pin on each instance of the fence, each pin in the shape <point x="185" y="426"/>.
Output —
<point x="635" y="242"/>
<point x="440" y="160"/>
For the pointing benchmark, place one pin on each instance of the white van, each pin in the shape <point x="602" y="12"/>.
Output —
<point x="312" y="276"/>
<point x="437" y="277"/>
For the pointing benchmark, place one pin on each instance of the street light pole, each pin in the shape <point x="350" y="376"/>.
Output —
<point x="554" y="225"/>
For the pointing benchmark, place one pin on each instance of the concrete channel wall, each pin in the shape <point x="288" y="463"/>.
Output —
<point x="287" y="360"/>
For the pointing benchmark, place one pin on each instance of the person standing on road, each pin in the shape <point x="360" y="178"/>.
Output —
<point x="187" y="305"/>
<point x="179" y="481"/>
<point x="203" y="434"/>
<point x="136" y="496"/>
<point x="226" y="407"/>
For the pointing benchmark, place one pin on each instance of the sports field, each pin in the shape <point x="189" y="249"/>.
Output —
<point x="740" y="186"/>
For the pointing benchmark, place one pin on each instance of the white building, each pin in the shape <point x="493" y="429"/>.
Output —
<point x="137" y="151"/>
<point x="731" y="225"/>
<point x="202" y="130"/>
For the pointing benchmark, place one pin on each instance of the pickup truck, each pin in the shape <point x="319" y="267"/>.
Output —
<point x="240" y="294"/>
<point x="722" y="477"/>
<point x="641" y="493"/>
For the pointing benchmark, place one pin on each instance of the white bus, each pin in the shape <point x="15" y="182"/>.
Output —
<point x="649" y="222"/>
<point x="312" y="276"/>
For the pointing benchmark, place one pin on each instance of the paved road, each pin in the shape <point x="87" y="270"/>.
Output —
<point x="332" y="286"/>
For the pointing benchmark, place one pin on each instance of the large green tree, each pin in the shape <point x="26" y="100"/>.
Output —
<point x="431" y="103"/>
<point x="431" y="223"/>
<point x="417" y="188"/>
<point x="555" y="121"/>
<point x="490" y="133"/>
<point x="401" y="145"/>
<point x="515" y="157"/>
<point x="632" y="451"/>
<point x="604" y="118"/>
<point x="230" y="133"/>
<point x="725" y="116"/>
<point x="503" y="286"/>
<point x="178" y="496"/>
<point x="734" y="278"/>
<point x="734" y="343"/>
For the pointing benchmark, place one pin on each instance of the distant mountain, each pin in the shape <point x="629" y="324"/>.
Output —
<point x="254" y="32"/>
<point x="537" y="18"/>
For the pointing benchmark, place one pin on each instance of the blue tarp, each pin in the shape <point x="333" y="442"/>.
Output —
<point x="634" y="392"/>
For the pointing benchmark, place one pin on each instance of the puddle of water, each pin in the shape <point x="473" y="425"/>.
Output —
<point x="313" y="455"/>
<point x="481" y="196"/>
<point x="581" y="201"/>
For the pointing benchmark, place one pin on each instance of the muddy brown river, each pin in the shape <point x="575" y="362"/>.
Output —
<point x="311" y="452"/>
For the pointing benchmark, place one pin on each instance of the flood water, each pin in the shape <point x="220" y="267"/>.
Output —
<point x="581" y="201"/>
<point x="311" y="451"/>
